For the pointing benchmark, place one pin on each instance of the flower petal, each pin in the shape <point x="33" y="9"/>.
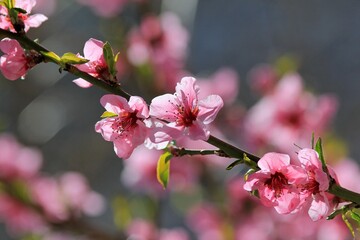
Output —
<point x="209" y="108"/>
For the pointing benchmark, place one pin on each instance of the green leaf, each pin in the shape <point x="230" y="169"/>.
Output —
<point x="233" y="164"/>
<point x="109" y="58"/>
<point x="348" y="224"/>
<point x="319" y="150"/>
<point x="71" y="58"/>
<point x="355" y="216"/>
<point x="20" y="10"/>
<point x="247" y="174"/>
<point x="163" y="169"/>
<point x="107" y="114"/>
<point x="52" y="56"/>
<point x="4" y="3"/>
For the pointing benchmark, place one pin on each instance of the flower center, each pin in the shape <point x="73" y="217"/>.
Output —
<point x="276" y="182"/>
<point x="312" y="185"/>
<point x="187" y="115"/>
<point x="124" y="122"/>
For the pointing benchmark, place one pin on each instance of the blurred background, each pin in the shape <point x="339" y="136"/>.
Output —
<point x="316" y="39"/>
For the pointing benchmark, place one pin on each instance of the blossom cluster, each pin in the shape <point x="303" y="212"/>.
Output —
<point x="285" y="114"/>
<point x="288" y="187"/>
<point x="36" y="201"/>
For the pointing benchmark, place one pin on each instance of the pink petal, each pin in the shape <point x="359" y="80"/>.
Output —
<point x="123" y="149"/>
<point x="309" y="157"/>
<point x="209" y="108"/>
<point x="82" y="83"/>
<point x="35" y="20"/>
<point x="137" y="103"/>
<point x="198" y="131"/>
<point x="93" y="49"/>
<point x="104" y="127"/>
<point x="273" y="161"/>
<point x="187" y="91"/>
<point x="9" y="46"/>
<point x="164" y="107"/>
<point x="115" y="104"/>
<point x="288" y="202"/>
<point x="319" y="207"/>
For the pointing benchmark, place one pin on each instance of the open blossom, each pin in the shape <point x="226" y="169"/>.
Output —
<point x="27" y="20"/>
<point x="16" y="62"/>
<point x="126" y="129"/>
<point x="317" y="184"/>
<point x="277" y="182"/>
<point x="96" y="67"/>
<point x="288" y="114"/>
<point x="184" y="112"/>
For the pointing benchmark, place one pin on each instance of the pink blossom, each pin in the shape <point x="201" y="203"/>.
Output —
<point x="161" y="43"/>
<point x="18" y="218"/>
<point x="263" y="78"/>
<point x="140" y="172"/>
<point x="16" y="161"/>
<point x="78" y="196"/>
<point x="15" y="62"/>
<point x="224" y="82"/>
<point x="96" y="67"/>
<point x="29" y="21"/>
<point x="186" y="114"/>
<point x="206" y="221"/>
<point x="288" y="115"/>
<point x="127" y="129"/>
<point x="317" y="183"/>
<point x="277" y="183"/>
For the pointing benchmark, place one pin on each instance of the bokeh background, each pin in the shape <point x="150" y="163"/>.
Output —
<point x="46" y="110"/>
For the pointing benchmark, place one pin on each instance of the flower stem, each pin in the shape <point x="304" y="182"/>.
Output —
<point x="344" y="193"/>
<point x="179" y="152"/>
<point x="27" y="43"/>
<point x="231" y="150"/>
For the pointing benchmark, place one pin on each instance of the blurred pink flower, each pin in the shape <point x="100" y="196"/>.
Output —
<point x="206" y="221"/>
<point x="288" y="115"/>
<point x="96" y="67"/>
<point x="263" y="79"/>
<point x="185" y="113"/>
<point x="224" y="82"/>
<point x="277" y="183"/>
<point x="16" y="161"/>
<point x="348" y="172"/>
<point x="15" y="62"/>
<point x="162" y="43"/>
<point x="140" y="229"/>
<point x="29" y="21"/>
<point x="140" y="172"/>
<point x="19" y="219"/>
<point x="68" y="196"/>
<point x="78" y="196"/>
<point x="127" y="129"/>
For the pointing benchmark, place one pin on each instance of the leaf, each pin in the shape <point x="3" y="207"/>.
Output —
<point x="247" y="174"/>
<point x="163" y="169"/>
<point x="107" y="114"/>
<point x="20" y="10"/>
<point x="355" y="216"/>
<point x="348" y="224"/>
<point x="109" y="58"/>
<point x="319" y="150"/>
<point x="71" y="58"/>
<point x="52" y="56"/>
<point x="233" y="164"/>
